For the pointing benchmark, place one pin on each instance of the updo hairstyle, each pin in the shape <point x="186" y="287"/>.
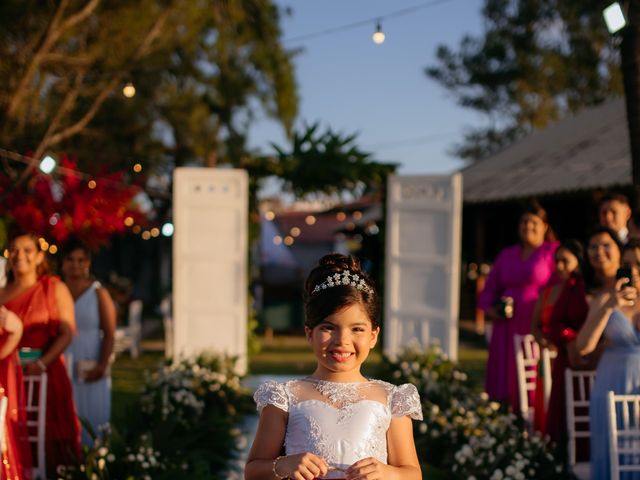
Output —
<point x="326" y="302"/>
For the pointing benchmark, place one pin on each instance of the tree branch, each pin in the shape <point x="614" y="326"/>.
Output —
<point x="54" y="32"/>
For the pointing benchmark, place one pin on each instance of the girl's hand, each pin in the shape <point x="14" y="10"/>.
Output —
<point x="303" y="466"/>
<point x="623" y="295"/>
<point x="367" y="469"/>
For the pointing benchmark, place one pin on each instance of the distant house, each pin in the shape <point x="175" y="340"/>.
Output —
<point x="292" y="241"/>
<point x="567" y="166"/>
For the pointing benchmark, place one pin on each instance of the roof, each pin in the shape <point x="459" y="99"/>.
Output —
<point x="586" y="151"/>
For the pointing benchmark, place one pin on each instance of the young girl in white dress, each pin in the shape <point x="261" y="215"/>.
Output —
<point x="335" y="423"/>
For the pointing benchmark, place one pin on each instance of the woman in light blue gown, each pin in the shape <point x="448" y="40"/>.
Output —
<point x="90" y="351"/>
<point x="614" y="316"/>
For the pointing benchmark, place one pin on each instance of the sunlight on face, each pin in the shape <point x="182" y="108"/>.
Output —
<point x="604" y="254"/>
<point x="532" y="229"/>
<point x="342" y="342"/>
<point x="24" y="255"/>
<point x="566" y="263"/>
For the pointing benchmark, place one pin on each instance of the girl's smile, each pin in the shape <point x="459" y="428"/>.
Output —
<point x="341" y="343"/>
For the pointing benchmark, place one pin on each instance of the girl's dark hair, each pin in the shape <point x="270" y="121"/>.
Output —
<point x="576" y="249"/>
<point x="72" y="245"/>
<point x="42" y="269"/>
<point x="534" y="208"/>
<point x="590" y="277"/>
<point x="326" y="302"/>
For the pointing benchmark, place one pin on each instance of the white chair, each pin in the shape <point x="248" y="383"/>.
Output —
<point x="527" y="357"/>
<point x="578" y="385"/>
<point x="547" y="356"/>
<point x="167" y="321"/>
<point x="3" y="417"/>
<point x="128" y="338"/>
<point x="36" y="409"/>
<point x="624" y="433"/>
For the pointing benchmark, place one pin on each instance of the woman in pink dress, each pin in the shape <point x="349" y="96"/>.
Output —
<point x="518" y="274"/>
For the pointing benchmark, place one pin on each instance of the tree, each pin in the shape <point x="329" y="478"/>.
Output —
<point x="200" y="69"/>
<point x="537" y="61"/>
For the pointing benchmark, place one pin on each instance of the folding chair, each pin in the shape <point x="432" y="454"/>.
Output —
<point x="624" y="433"/>
<point x="128" y="338"/>
<point x="3" y="417"/>
<point x="547" y="356"/>
<point x="578" y="385"/>
<point x="36" y="407"/>
<point x="527" y="357"/>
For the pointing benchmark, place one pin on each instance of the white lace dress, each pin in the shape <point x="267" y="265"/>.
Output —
<point x="341" y="422"/>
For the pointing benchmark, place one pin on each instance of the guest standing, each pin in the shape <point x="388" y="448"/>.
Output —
<point x="519" y="272"/>
<point x="16" y="452"/>
<point x="45" y="307"/>
<point x="91" y="349"/>
<point x="614" y="315"/>
<point x="614" y="212"/>
<point x="568" y="260"/>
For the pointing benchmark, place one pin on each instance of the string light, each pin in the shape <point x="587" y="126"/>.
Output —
<point x="295" y="232"/>
<point x="91" y="184"/>
<point x="155" y="232"/>
<point x="47" y="164"/>
<point x="363" y="23"/>
<point x="277" y="240"/>
<point x="129" y="90"/>
<point x="128" y="221"/>
<point x="146" y="235"/>
<point x="341" y="216"/>
<point x="167" y="229"/>
<point x="53" y="249"/>
<point x="269" y="215"/>
<point x="310" y="220"/>
<point x="137" y="168"/>
<point x="378" y="36"/>
<point x="288" y="240"/>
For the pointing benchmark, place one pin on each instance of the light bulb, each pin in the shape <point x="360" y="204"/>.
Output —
<point x="47" y="164"/>
<point x="128" y="90"/>
<point x="378" y="37"/>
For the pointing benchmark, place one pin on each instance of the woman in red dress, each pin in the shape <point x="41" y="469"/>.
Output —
<point x="16" y="454"/>
<point x="45" y="307"/>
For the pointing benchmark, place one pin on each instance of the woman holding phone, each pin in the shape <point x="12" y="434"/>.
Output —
<point x="614" y="315"/>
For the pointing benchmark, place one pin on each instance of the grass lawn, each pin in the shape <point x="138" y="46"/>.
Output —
<point x="291" y="355"/>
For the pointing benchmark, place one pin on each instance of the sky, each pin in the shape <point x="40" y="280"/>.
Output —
<point x="381" y="92"/>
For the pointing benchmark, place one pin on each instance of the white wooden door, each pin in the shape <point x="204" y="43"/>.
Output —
<point x="210" y="261"/>
<point x="422" y="277"/>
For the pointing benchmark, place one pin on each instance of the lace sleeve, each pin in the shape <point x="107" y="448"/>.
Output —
<point x="405" y="401"/>
<point x="272" y="393"/>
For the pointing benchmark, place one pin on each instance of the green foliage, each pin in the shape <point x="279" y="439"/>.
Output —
<point x="463" y="432"/>
<point x="200" y="69"/>
<point x="536" y="62"/>
<point x="323" y="162"/>
<point x="184" y="424"/>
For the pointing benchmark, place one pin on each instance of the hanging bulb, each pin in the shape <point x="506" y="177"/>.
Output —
<point x="129" y="90"/>
<point x="378" y="35"/>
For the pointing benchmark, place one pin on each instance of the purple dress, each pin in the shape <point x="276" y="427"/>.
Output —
<point x="522" y="280"/>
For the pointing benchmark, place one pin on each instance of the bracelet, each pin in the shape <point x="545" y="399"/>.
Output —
<point x="273" y="468"/>
<point x="43" y="367"/>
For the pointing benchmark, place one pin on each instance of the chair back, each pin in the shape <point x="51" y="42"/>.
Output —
<point x="167" y="322"/>
<point x="578" y="385"/>
<point x="624" y="433"/>
<point x="527" y="353"/>
<point x="36" y="409"/>
<point x="3" y="418"/>
<point x="547" y="356"/>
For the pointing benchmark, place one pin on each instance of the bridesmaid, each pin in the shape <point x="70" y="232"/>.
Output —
<point x="16" y="453"/>
<point x="519" y="273"/>
<point x="91" y="349"/>
<point x="45" y="306"/>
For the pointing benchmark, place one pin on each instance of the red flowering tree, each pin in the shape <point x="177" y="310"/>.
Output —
<point x="70" y="204"/>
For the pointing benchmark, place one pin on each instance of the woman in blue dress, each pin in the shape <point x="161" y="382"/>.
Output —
<point x="614" y="317"/>
<point x="91" y="349"/>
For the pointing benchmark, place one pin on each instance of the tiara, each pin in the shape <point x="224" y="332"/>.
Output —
<point x="343" y="278"/>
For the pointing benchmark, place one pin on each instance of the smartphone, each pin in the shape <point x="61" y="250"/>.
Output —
<point x="624" y="272"/>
